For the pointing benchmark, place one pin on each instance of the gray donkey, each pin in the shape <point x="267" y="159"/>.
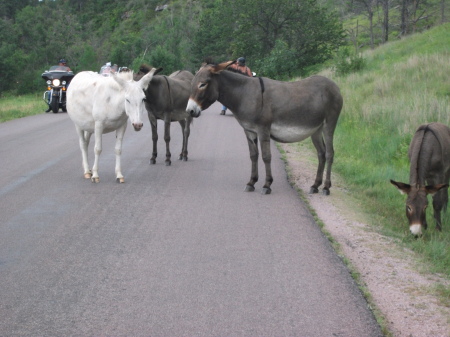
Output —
<point x="286" y="112"/>
<point x="429" y="173"/>
<point x="166" y="99"/>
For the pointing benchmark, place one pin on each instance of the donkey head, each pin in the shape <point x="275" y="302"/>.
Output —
<point x="205" y="88"/>
<point x="134" y="96"/>
<point x="416" y="204"/>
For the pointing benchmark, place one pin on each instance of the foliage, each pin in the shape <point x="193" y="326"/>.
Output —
<point x="280" y="38"/>
<point x="297" y="34"/>
<point x="346" y="63"/>
<point x="280" y="63"/>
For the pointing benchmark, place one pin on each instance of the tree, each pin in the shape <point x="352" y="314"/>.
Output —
<point x="306" y="33"/>
<point x="214" y="34"/>
<point x="412" y="12"/>
<point x="9" y="8"/>
<point x="385" y="25"/>
<point x="367" y="7"/>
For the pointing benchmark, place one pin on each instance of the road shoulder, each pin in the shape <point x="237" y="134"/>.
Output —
<point x="386" y="272"/>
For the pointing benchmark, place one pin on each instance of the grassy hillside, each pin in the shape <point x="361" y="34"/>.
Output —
<point x="405" y="84"/>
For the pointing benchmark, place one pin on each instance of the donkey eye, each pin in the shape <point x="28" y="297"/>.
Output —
<point x="128" y="100"/>
<point x="144" y="100"/>
<point x="408" y="209"/>
<point x="202" y="85"/>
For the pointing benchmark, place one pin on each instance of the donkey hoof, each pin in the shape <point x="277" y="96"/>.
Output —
<point x="249" y="188"/>
<point x="95" y="180"/>
<point x="168" y="163"/>
<point x="120" y="180"/>
<point x="313" y="190"/>
<point x="185" y="159"/>
<point x="326" y="191"/>
<point x="266" y="190"/>
<point x="87" y="175"/>
<point x="152" y="161"/>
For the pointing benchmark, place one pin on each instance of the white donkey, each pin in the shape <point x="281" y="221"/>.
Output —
<point x="99" y="105"/>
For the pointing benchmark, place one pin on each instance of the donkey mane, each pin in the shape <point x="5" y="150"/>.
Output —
<point x="145" y="68"/>
<point x="237" y="71"/>
<point x="126" y="75"/>
<point x="210" y="61"/>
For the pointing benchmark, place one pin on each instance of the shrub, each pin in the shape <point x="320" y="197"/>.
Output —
<point x="346" y="63"/>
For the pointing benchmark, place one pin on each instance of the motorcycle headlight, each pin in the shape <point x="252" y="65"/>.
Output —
<point x="49" y="82"/>
<point x="56" y="82"/>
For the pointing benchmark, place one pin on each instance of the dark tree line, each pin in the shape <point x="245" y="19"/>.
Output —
<point x="280" y="38"/>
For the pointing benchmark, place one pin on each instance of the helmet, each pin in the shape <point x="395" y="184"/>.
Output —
<point x="241" y="60"/>
<point x="62" y="61"/>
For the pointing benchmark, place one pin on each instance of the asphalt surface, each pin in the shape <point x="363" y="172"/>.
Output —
<point x="174" y="251"/>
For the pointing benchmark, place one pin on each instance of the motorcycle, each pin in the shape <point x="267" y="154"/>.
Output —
<point x="58" y="79"/>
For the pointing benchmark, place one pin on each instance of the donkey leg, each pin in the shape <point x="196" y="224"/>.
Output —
<point x="267" y="158"/>
<point x="187" y="133"/>
<point x="154" y="125"/>
<point x="84" y="138"/>
<point x="118" y="150"/>
<point x="97" y="150"/>
<point x="329" y="158"/>
<point x="440" y="200"/>
<point x="320" y="148"/>
<point x="185" y="129"/>
<point x="252" y="139"/>
<point x="167" y="140"/>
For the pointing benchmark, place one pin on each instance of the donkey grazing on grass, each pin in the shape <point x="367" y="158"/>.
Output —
<point x="429" y="155"/>
<point x="167" y="97"/>
<point x="286" y="112"/>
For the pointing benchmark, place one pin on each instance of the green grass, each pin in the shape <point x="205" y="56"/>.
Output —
<point x="12" y="107"/>
<point x="405" y="84"/>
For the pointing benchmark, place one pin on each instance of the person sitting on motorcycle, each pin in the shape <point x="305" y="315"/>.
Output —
<point x="62" y="63"/>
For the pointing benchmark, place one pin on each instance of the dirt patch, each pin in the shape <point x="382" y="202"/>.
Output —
<point x="387" y="271"/>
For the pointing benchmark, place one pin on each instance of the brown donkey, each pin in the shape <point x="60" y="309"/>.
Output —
<point x="286" y="112"/>
<point x="429" y="155"/>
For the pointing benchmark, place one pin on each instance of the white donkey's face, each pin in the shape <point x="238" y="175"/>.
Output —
<point x="135" y="97"/>
<point x="135" y="105"/>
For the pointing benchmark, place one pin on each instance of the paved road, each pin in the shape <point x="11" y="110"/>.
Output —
<point x="175" y="251"/>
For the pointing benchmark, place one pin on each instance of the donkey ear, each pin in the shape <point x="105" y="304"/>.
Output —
<point x="402" y="187"/>
<point x="144" y="81"/>
<point x="122" y="82"/>
<point x="222" y="66"/>
<point x="433" y="189"/>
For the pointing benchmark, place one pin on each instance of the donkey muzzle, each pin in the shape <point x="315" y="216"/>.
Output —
<point x="193" y="109"/>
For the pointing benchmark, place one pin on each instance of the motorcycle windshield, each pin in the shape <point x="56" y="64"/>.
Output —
<point x="59" y="69"/>
<point x="62" y="72"/>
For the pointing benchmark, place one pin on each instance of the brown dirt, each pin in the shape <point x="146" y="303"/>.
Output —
<point x="389" y="272"/>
